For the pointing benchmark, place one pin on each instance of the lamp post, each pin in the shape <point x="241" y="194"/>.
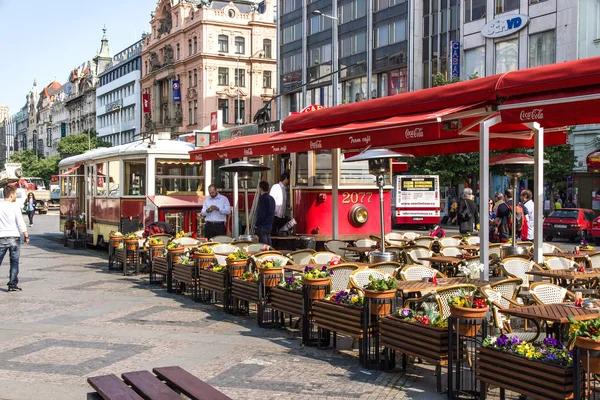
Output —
<point x="378" y="165"/>
<point x="242" y="171"/>
<point x="334" y="57"/>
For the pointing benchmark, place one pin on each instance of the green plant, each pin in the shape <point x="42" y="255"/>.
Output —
<point x="205" y="250"/>
<point x="174" y="245"/>
<point x="249" y="276"/>
<point x="350" y="297"/>
<point x="186" y="260"/>
<point x="292" y="283"/>
<point x="429" y="317"/>
<point x="217" y="268"/>
<point x="113" y="233"/>
<point x="155" y="241"/>
<point x="238" y="255"/>
<point x="382" y="284"/>
<point x="467" y="300"/>
<point x="311" y="272"/>
<point x="588" y="329"/>
<point x="131" y="236"/>
<point x="270" y="263"/>
<point x="81" y="219"/>
<point x="550" y="351"/>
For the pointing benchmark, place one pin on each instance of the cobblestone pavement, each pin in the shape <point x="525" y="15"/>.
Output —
<point x="76" y="319"/>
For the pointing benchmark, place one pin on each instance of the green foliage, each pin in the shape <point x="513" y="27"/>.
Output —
<point x="36" y="167"/>
<point x="561" y="163"/>
<point x="80" y="143"/>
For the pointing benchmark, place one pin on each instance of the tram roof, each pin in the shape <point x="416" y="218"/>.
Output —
<point x="170" y="147"/>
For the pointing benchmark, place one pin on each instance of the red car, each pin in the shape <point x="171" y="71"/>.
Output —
<point x="571" y="223"/>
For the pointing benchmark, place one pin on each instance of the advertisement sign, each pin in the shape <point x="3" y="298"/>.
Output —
<point x="314" y="107"/>
<point x="270" y="127"/>
<point x="593" y="162"/>
<point x="214" y="137"/>
<point x="176" y="91"/>
<point x="505" y="25"/>
<point x="455" y="59"/>
<point x="146" y="102"/>
<point x="202" y="138"/>
<point x="115" y="105"/>
<point x="417" y="191"/>
<point x="214" y="121"/>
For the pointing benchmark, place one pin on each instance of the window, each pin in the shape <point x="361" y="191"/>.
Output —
<point x="240" y="77"/>
<point x="135" y="177"/>
<point x="291" y="5"/>
<point x="399" y="33"/>
<point x="239" y="45"/>
<point x="474" y="10"/>
<point x="266" y="79"/>
<point x="542" y="49"/>
<point x="507" y="56"/>
<point x="352" y="10"/>
<point x="178" y="176"/>
<point x="195" y="111"/>
<point x="190" y="115"/>
<point x="323" y="167"/>
<point x="475" y="62"/>
<point x="223" y="105"/>
<point x="195" y="44"/>
<point x="223" y="76"/>
<point x="356" y="173"/>
<point x="240" y="112"/>
<point x="267" y="48"/>
<point x="189" y="78"/>
<point x="506" y="5"/>
<point x="223" y="44"/>
<point x="195" y="77"/>
<point x="267" y="105"/>
<point x="380" y="5"/>
<point x="302" y="168"/>
<point x="353" y="45"/>
<point x="189" y="47"/>
<point x="536" y="1"/>
<point x="292" y="33"/>
<point x="102" y="184"/>
<point x="382" y="36"/>
<point x="146" y="67"/>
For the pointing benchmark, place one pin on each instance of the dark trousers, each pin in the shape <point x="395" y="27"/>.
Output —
<point x="12" y="245"/>
<point x="264" y="236"/>
<point x="30" y="214"/>
<point x="212" y="229"/>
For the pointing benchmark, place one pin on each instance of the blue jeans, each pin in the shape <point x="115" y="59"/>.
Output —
<point x="12" y="244"/>
<point x="264" y="236"/>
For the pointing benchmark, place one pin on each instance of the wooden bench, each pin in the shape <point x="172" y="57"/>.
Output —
<point x="168" y="383"/>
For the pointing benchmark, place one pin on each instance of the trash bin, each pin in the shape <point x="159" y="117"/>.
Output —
<point x="378" y="256"/>
<point x="306" y="242"/>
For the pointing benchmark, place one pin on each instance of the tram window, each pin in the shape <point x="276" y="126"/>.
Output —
<point x="68" y="187"/>
<point x="302" y="169"/>
<point x="135" y="177"/>
<point x="101" y="188"/>
<point x="178" y="176"/>
<point x="114" y="181"/>
<point x="323" y="167"/>
<point x="356" y="173"/>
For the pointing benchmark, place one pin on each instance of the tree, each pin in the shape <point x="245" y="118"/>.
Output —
<point x="80" y="143"/>
<point x="561" y="161"/>
<point x="36" y="167"/>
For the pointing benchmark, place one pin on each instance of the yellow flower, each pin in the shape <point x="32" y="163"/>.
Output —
<point x="354" y="299"/>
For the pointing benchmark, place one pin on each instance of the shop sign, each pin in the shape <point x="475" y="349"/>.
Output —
<point x="593" y="162"/>
<point x="505" y="25"/>
<point x="314" y="107"/>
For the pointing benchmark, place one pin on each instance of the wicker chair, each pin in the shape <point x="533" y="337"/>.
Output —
<point x="495" y="250"/>
<point x="398" y="251"/>
<point x="414" y="253"/>
<point x="509" y="288"/>
<point x="594" y="260"/>
<point x="393" y="238"/>
<point x="559" y="263"/>
<point x="389" y="267"/>
<point x="224" y="249"/>
<point x="323" y="257"/>
<point x="548" y="293"/>
<point x="341" y="276"/>
<point x="254" y="261"/>
<point x="548" y="248"/>
<point x="186" y="241"/>
<point x="531" y="331"/>
<point x="472" y="240"/>
<point x="365" y="243"/>
<point x="417" y="272"/>
<point x="449" y="242"/>
<point x="442" y="296"/>
<point x="424" y="241"/>
<point x="256" y="247"/>
<point x="337" y="247"/>
<point x="360" y="278"/>
<point x="241" y="243"/>
<point x="410" y="235"/>
<point x="517" y="267"/>
<point x="301" y="256"/>
<point x="451" y="252"/>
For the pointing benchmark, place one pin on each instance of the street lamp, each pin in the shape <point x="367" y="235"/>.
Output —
<point x="334" y="58"/>
<point x="378" y="165"/>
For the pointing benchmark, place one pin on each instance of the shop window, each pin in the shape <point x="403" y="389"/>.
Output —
<point x="302" y="168"/>
<point x="176" y="220"/>
<point x="135" y="178"/>
<point x="322" y="167"/>
<point x="178" y="176"/>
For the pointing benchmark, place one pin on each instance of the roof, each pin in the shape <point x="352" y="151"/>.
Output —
<point x="167" y="147"/>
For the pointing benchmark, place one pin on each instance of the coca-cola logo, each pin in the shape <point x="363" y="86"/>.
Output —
<point x="414" y="133"/>
<point x="533" y="115"/>
<point x="198" y="157"/>
<point x="248" y="152"/>
<point x="315" y="144"/>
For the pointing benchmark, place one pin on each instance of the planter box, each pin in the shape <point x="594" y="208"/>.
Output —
<point x="244" y="290"/>
<point x="340" y="318"/>
<point x="213" y="281"/>
<point x="184" y="273"/>
<point x="426" y="342"/>
<point x="287" y="301"/>
<point x="159" y="265"/>
<point x="534" y="379"/>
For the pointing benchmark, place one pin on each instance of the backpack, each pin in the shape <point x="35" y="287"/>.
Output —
<point x="518" y="220"/>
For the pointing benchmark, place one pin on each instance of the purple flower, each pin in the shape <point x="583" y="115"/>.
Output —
<point x="324" y="268"/>
<point x="515" y="340"/>
<point x="551" y="342"/>
<point x="331" y="272"/>
<point x="406" y="312"/>
<point x="502" y="341"/>
<point x="339" y="299"/>
<point x="551" y="356"/>
<point x="308" y="268"/>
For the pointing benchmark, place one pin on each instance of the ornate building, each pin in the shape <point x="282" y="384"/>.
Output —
<point x="223" y="55"/>
<point x="45" y="105"/>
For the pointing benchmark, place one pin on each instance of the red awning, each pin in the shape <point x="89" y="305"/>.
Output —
<point x="162" y="201"/>
<point x="70" y="171"/>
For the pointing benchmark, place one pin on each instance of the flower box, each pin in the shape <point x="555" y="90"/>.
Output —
<point x="159" y="265"/>
<point x="339" y="318"/>
<point x="213" y="281"/>
<point x="532" y="378"/>
<point x="287" y="301"/>
<point x="244" y="290"/>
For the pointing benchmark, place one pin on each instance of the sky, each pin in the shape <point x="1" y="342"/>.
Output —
<point x="45" y="39"/>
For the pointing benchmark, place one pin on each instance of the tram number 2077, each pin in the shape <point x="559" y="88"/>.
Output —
<point x="356" y="197"/>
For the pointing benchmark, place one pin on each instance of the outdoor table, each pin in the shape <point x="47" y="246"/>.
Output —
<point x="362" y="251"/>
<point x="408" y="288"/>
<point x="581" y="258"/>
<point x="565" y="278"/>
<point x="447" y="262"/>
<point x="557" y="313"/>
<point x="471" y="248"/>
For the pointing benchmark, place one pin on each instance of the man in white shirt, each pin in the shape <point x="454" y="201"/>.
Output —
<point x="279" y="193"/>
<point x="526" y="196"/>
<point x="215" y="210"/>
<point x="12" y="226"/>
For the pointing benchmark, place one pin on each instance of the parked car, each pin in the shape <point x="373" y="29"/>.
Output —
<point x="571" y="223"/>
<point x="596" y="231"/>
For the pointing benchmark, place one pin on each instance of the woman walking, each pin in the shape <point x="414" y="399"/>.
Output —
<point x="29" y="207"/>
<point x="468" y="215"/>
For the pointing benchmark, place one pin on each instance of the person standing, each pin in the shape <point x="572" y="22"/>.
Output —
<point x="453" y="211"/>
<point x="279" y="193"/>
<point x="468" y="216"/>
<point x="29" y="207"/>
<point x="265" y="214"/>
<point x="570" y="203"/>
<point x="215" y="210"/>
<point x="557" y="204"/>
<point x="526" y="199"/>
<point x="12" y="226"/>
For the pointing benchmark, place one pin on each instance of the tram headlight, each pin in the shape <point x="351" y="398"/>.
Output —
<point x="359" y="215"/>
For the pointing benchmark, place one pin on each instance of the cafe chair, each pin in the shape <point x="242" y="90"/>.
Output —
<point x="424" y="241"/>
<point x="301" y="256"/>
<point x="337" y="247"/>
<point x="559" y="263"/>
<point x="509" y="287"/>
<point x="472" y="240"/>
<point x="442" y="296"/>
<point x="221" y="239"/>
<point x="224" y="250"/>
<point x="416" y="272"/>
<point x="414" y="253"/>
<point x="389" y="267"/>
<point x="495" y="251"/>
<point x="255" y="261"/>
<point x="340" y="280"/>
<point x="548" y="248"/>
<point x="398" y="251"/>
<point x="410" y="235"/>
<point x="393" y="238"/>
<point x="517" y="267"/>
<point x="451" y="252"/>
<point x="186" y="241"/>
<point x="241" y="243"/>
<point x="257" y="247"/>
<point x="548" y="293"/>
<point x="594" y="260"/>
<point x="365" y="243"/>
<point x="324" y="257"/>
<point x="449" y="242"/>
<point x="360" y="278"/>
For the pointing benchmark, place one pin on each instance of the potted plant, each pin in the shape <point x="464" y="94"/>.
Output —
<point x="471" y="270"/>
<point x="586" y="335"/>
<point x="341" y="312"/>
<point x="381" y="288"/>
<point x="287" y="296"/>
<point x="316" y="280"/>
<point x="271" y="270"/>
<point x="175" y="249"/>
<point x="205" y="256"/>
<point x="115" y="237"/>
<point x="80" y="223"/>
<point x="246" y="287"/>
<point x="69" y="224"/>
<point x="468" y="306"/>
<point x="585" y="245"/>
<point x="180" y="234"/>
<point x="156" y="247"/>
<point x="236" y="263"/>
<point x="131" y="241"/>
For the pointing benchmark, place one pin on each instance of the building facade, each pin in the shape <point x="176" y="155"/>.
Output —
<point x="45" y="106"/>
<point x="4" y="112"/>
<point x="11" y="129"/>
<point x="221" y="53"/>
<point x="22" y="127"/>
<point x="118" y="98"/>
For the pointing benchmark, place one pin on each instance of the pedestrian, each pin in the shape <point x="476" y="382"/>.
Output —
<point x="453" y="211"/>
<point x="279" y="193"/>
<point x="570" y="203"/>
<point x="265" y="214"/>
<point x="12" y="226"/>
<point x="526" y="199"/>
<point x="29" y="207"/>
<point x="467" y="215"/>
<point x="557" y="204"/>
<point x="215" y="210"/>
<point x="501" y="223"/>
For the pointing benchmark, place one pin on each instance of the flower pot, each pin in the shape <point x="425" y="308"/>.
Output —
<point x="236" y="268"/>
<point x="116" y="240"/>
<point x="591" y="363"/>
<point x="69" y="225"/>
<point x="378" y="308"/>
<point x="156" y="249"/>
<point x="176" y="253"/>
<point x="204" y="259"/>
<point x="317" y="288"/>
<point x="271" y="276"/>
<point x="471" y="328"/>
<point x="80" y="228"/>
<point x="130" y="244"/>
